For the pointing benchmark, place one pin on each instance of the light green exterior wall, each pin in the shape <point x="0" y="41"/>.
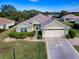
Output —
<point x="29" y="29"/>
<point x="18" y="28"/>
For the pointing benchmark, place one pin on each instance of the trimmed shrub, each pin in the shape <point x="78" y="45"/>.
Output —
<point x="30" y="34"/>
<point x="21" y="35"/>
<point x="71" y="33"/>
<point x="1" y="30"/>
<point x="18" y="35"/>
<point x="72" y="22"/>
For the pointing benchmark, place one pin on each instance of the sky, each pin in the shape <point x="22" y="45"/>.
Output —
<point x="44" y="5"/>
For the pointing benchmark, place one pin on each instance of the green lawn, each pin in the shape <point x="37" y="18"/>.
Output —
<point x="77" y="32"/>
<point x="23" y="50"/>
<point x="68" y="24"/>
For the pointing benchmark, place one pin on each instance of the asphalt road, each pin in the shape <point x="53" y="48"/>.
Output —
<point x="59" y="48"/>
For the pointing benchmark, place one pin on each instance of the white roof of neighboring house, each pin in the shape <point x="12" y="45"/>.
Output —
<point x="70" y="16"/>
<point x="77" y="17"/>
<point x="4" y="21"/>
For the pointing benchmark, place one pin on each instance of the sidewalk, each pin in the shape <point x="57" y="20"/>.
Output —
<point x="8" y="39"/>
<point x="74" y="41"/>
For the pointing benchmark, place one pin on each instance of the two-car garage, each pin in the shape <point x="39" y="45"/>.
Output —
<point x="55" y="29"/>
<point x="54" y="33"/>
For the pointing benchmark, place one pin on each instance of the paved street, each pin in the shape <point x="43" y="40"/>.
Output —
<point x="58" y="48"/>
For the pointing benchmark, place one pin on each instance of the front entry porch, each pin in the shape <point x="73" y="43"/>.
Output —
<point x="38" y="35"/>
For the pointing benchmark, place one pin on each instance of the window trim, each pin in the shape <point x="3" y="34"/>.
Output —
<point x="23" y="29"/>
<point x="54" y="29"/>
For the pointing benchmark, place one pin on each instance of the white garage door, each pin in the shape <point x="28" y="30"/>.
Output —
<point x="53" y="33"/>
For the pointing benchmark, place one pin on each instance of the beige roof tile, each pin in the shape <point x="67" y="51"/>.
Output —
<point x="5" y="21"/>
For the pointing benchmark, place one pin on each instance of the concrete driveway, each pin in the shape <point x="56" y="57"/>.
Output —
<point x="59" y="48"/>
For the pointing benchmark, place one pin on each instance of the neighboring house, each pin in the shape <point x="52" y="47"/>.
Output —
<point x="6" y="23"/>
<point x="50" y="16"/>
<point x="77" y="21"/>
<point x="70" y="18"/>
<point x="49" y="27"/>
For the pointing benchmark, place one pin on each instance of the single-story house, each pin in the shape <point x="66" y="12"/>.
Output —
<point x="6" y="23"/>
<point x="77" y="20"/>
<point x="49" y="27"/>
<point x="70" y="18"/>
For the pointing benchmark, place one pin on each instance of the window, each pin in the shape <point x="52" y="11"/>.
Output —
<point x="37" y="26"/>
<point x="23" y="29"/>
<point x="67" y="19"/>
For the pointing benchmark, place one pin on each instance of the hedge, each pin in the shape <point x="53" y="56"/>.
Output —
<point x="1" y="30"/>
<point x="71" y="34"/>
<point x="21" y="35"/>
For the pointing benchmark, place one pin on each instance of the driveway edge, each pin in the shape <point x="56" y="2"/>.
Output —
<point x="48" y="54"/>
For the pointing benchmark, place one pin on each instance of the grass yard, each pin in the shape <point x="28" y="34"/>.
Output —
<point x="77" y="32"/>
<point x="23" y="50"/>
<point x="68" y="24"/>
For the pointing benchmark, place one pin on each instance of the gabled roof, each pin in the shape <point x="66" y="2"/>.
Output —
<point x="40" y="17"/>
<point x="4" y="21"/>
<point x="57" y="22"/>
<point x="44" y="20"/>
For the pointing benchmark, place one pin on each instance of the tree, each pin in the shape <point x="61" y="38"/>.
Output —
<point x="8" y="9"/>
<point x="2" y="14"/>
<point x="23" y="15"/>
<point x="62" y="13"/>
<point x="26" y="14"/>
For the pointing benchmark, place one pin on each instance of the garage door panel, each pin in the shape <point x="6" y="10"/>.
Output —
<point x="53" y="33"/>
